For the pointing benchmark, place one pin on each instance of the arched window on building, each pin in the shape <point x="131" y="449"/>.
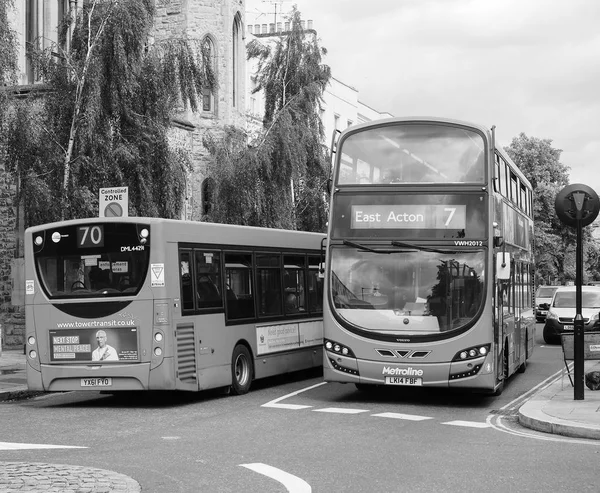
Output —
<point x="208" y="95"/>
<point x="208" y="187"/>
<point x="237" y="54"/>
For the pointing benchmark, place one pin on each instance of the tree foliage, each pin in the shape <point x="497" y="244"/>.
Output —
<point x="279" y="179"/>
<point x="554" y="242"/>
<point x="105" y="116"/>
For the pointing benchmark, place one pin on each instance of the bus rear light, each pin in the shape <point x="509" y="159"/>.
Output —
<point x="472" y="353"/>
<point x="337" y="348"/>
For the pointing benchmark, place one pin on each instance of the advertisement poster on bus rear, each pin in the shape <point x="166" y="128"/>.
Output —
<point x="101" y="345"/>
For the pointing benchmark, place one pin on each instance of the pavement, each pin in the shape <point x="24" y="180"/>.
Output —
<point x="553" y="409"/>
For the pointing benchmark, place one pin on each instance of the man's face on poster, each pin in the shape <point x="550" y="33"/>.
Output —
<point x="101" y="339"/>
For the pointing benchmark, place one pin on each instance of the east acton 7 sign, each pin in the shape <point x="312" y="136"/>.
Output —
<point x="409" y="217"/>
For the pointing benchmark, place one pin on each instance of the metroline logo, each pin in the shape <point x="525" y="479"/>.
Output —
<point x="402" y="371"/>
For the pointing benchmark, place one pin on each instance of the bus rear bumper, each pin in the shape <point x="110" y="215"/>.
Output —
<point x="90" y="377"/>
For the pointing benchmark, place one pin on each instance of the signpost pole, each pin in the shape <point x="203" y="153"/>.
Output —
<point x="578" y="355"/>
<point x="577" y="205"/>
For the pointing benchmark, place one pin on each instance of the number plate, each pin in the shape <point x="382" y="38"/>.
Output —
<point x="96" y="382"/>
<point x="568" y="327"/>
<point x="411" y="381"/>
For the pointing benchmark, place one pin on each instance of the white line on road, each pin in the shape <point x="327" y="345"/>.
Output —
<point x="292" y="483"/>
<point x="409" y="417"/>
<point x="26" y="446"/>
<point x="274" y="402"/>
<point x="470" y="424"/>
<point x="340" y="410"/>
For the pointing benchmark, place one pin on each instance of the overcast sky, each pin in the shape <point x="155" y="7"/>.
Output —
<point x="529" y="66"/>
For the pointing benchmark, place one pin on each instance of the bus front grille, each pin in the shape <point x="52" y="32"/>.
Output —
<point x="186" y="353"/>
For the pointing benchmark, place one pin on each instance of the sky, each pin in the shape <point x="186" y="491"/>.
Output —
<point x="526" y="66"/>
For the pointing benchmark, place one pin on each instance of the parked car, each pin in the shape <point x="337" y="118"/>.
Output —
<point x="562" y="310"/>
<point x="543" y="296"/>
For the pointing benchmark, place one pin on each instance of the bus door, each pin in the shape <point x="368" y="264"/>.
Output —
<point x="506" y="323"/>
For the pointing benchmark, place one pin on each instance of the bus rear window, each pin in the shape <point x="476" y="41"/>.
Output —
<point x="90" y="260"/>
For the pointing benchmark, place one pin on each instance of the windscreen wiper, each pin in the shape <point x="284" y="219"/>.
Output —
<point x="423" y="248"/>
<point x="372" y="250"/>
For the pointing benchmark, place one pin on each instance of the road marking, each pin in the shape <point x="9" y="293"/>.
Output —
<point x="28" y="446"/>
<point x="409" y="417"/>
<point x="340" y="410"/>
<point x="275" y="402"/>
<point x="292" y="483"/>
<point x="470" y="424"/>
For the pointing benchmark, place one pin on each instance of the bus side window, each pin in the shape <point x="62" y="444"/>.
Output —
<point x="208" y="279"/>
<point x="238" y="277"/>
<point x="268" y="278"/>
<point x="295" y="299"/>
<point x="185" y="275"/>
<point x="315" y="286"/>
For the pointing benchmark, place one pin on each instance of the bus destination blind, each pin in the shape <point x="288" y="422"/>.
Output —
<point x="426" y="216"/>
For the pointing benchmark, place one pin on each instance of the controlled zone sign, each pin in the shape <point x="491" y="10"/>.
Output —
<point x="114" y="202"/>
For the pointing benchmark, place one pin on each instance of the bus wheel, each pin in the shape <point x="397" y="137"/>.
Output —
<point x="523" y="366"/>
<point x="500" y="387"/>
<point x="241" y="370"/>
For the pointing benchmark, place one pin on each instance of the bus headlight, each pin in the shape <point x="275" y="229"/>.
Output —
<point x="33" y="354"/>
<point x="158" y="337"/>
<point x="472" y="353"/>
<point x="31" y="341"/>
<point x="157" y="351"/>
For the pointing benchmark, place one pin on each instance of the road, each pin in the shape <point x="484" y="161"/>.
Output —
<point x="300" y="434"/>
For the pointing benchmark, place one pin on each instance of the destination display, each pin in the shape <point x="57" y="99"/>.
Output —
<point x="409" y="216"/>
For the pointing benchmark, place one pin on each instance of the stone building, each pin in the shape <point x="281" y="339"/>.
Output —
<point x="219" y="25"/>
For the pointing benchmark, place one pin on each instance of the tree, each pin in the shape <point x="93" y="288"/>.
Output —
<point x="554" y="242"/>
<point x="279" y="179"/>
<point x="105" y="116"/>
<point x="8" y="61"/>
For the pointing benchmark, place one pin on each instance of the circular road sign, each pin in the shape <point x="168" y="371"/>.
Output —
<point x="577" y="202"/>
<point x="113" y="209"/>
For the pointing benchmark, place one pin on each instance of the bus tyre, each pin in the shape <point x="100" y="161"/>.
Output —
<point x="500" y="387"/>
<point x="523" y="365"/>
<point x="241" y="370"/>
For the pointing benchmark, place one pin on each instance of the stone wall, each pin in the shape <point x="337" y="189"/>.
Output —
<point x="12" y="309"/>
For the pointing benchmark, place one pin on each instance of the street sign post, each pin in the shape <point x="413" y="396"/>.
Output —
<point x="114" y="202"/>
<point x="577" y="205"/>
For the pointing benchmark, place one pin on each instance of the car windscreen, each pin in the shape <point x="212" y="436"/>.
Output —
<point x="544" y="292"/>
<point x="566" y="299"/>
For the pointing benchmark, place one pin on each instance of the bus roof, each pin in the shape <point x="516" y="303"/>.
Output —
<point x="433" y="119"/>
<point x="202" y="232"/>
